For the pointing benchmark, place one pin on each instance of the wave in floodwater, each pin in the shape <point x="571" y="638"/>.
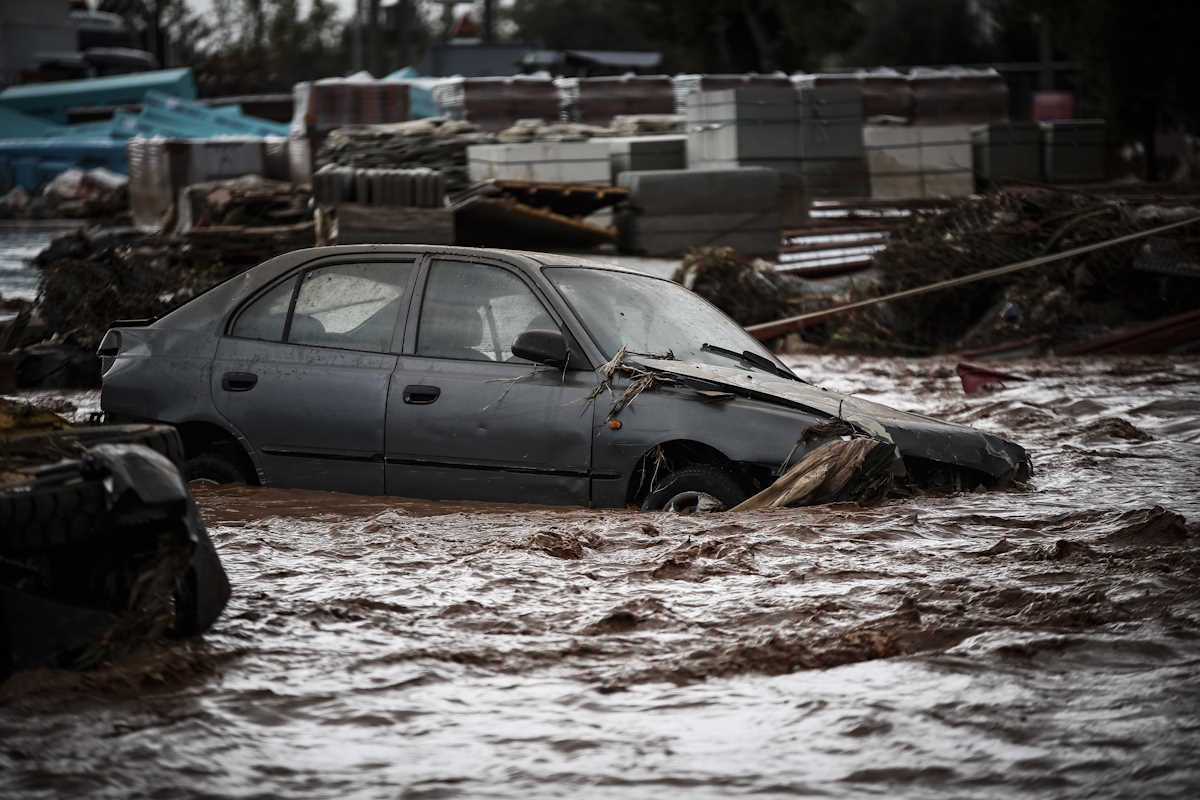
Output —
<point x="1038" y="642"/>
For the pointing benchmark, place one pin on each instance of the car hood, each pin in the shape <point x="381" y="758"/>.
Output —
<point x="915" y="435"/>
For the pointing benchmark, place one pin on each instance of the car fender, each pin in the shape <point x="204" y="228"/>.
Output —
<point x="742" y="429"/>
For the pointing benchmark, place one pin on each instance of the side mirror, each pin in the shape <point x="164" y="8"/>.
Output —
<point x="541" y="347"/>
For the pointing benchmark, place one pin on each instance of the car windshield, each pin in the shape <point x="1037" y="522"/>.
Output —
<point x="649" y="315"/>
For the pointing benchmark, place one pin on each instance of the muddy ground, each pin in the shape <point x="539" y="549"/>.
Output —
<point x="1031" y="643"/>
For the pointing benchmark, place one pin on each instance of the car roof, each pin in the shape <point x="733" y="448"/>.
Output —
<point x="525" y="258"/>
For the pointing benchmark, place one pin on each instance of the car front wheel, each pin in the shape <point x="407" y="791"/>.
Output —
<point x="698" y="487"/>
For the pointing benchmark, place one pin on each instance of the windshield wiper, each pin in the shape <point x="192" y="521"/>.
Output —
<point x="753" y="359"/>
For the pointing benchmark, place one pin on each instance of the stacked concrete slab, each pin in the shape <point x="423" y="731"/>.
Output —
<point x="645" y="153"/>
<point x="919" y="161"/>
<point x="813" y="133"/>
<point x="688" y="85"/>
<point x="551" y="162"/>
<point x="670" y="211"/>
<point x="1073" y="150"/>
<point x="421" y="187"/>
<point x="1007" y="151"/>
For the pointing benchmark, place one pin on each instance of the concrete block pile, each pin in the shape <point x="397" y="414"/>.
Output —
<point x="421" y="187"/>
<point x="1007" y="151"/>
<point x="919" y="161"/>
<point x="813" y="133"/>
<point x="669" y="211"/>
<point x="551" y="162"/>
<point x="646" y="153"/>
<point x="1073" y="151"/>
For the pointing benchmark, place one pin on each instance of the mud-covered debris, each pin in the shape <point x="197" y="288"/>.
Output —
<point x="89" y="279"/>
<point x="556" y="544"/>
<point x="1044" y="307"/>
<point x="748" y="290"/>
<point x="1115" y="428"/>
<point x="640" y="379"/>
<point x="856" y="468"/>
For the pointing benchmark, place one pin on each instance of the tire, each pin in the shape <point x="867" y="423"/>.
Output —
<point x="702" y="479"/>
<point x="213" y="467"/>
<point x="162" y="439"/>
<point x="36" y="518"/>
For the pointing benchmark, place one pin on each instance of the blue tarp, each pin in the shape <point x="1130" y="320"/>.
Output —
<point x="32" y="162"/>
<point x="14" y="124"/>
<point x="33" y="150"/>
<point x="51" y="100"/>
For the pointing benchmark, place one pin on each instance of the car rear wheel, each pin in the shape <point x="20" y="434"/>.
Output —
<point x="694" y="488"/>
<point x="213" y="468"/>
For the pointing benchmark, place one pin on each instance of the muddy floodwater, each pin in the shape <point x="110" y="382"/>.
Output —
<point x="1043" y="642"/>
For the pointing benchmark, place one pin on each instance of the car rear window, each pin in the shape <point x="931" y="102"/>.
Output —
<point x="352" y="306"/>
<point x="266" y="317"/>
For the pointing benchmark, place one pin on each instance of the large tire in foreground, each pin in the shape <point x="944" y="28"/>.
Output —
<point x="44" y="515"/>
<point x="700" y="479"/>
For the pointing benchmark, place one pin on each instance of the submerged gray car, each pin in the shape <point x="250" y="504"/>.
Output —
<point x="461" y="373"/>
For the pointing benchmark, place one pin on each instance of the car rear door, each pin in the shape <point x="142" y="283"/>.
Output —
<point x="304" y="367"/>
<point x="468" y="420"/>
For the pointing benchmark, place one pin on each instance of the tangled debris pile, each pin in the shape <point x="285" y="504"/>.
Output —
<point x="1045" y="306"/>
<point x="90" y="279"/>
<point x="437" y="143"/>
<point x="749" y="290"/>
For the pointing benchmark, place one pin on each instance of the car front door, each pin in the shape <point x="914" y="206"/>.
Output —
<point x="467" y="419"/>
<point x="304" y="367"/>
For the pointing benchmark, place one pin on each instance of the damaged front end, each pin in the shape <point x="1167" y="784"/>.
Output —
<point x="846" y="448"/>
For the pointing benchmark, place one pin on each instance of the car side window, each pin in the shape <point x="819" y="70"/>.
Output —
<point x="476" y="312"/>
<point x="266" y="317"/>
<point x="350" y="306"/>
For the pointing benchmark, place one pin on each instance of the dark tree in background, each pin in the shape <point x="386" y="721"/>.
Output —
<point x="1139" y="61"/>
<point x="713" y="36"/>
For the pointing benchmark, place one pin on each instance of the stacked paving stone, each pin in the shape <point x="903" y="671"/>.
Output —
<point x="422" y="187"/>
<point x="435" y="143"/>
<point x="912" y="161"/>
<point x="1007" y="151"/>
<point x="670" y="211"/>
<point x="813" y="133"/>
<point x="597" y="100"/>
<point x="551" y="162"/>
<point x="1073" y="150"/>
<point x="646" y="153"/>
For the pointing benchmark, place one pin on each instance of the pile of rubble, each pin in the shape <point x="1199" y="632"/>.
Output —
<point x="248" y="201"/>
<point x="97" y="194"/>
<point x="1045" y="306"/>
<point x="436" y="143"/>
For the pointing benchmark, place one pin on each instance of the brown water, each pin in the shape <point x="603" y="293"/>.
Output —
<point x="1036" y="643"/>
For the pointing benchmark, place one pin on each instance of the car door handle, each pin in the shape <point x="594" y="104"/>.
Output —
<point x="238" y="381"/>
<point x="421" y="395"/>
